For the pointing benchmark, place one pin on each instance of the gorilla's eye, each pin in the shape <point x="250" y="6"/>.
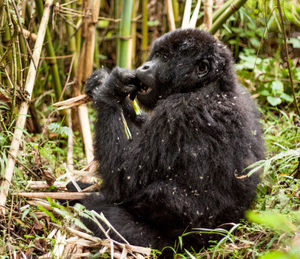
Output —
<point x="203" y="68"/>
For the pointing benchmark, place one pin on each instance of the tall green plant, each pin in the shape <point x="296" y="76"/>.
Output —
<point x="124" y="33"/>
<point x="50" y="52"/>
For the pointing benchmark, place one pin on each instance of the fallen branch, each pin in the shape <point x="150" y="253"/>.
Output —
<point x="82" y="239"/>
<point x="20" y="123"/>
<point x="72" y="102"/>
<point x="107" y="242"/>
<point x="40" y="185"/>
<point x="56" y="195"/>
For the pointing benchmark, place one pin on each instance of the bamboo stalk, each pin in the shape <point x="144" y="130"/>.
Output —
<point x="132" y="41"/>
<point x="94" y="6"/>
<point x="175" y="10"/>
<point x="208" y="13"/>
<point x="124" y="33"/>
<point x="235" y="6"/>
<point x="39" y="185"/>
<point x="55" y="195"/>
<point x="85" y="69"/>
<point x="171" y="18"/>
<point x="145" y="31"/>
<point x="50" y="53"/>
<point x="72" y="41"/>
<point x="221" y="10"/>
<point x="70" y="163"/>
<point x="20" y="123"/>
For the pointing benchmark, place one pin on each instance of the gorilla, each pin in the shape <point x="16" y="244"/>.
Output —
<point x="183" y="165"/>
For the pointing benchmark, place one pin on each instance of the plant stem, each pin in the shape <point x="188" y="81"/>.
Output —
<point x="287" y="56"/>
<point x="20" y="123"/>
<point x="171" y="15"/>
<point x="145" y="31"/>
<point x="51" y="53"/>
<point x="124" y="33"/>
<point x="235" y="6"/>
<point x="221" y="10"/>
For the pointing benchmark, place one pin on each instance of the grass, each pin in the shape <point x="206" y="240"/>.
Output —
<point x="27" y="228"/>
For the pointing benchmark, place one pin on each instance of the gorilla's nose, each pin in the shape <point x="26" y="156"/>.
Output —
<point x="145" y="67"/>
<point x="146" y="72"/>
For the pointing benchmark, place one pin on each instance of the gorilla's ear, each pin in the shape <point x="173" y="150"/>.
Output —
<point x="203" y="68"/>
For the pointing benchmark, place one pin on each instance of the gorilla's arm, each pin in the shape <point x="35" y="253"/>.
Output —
<point x="109" y="93"/>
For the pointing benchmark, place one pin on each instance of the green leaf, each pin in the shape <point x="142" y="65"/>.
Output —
<point x="48" y="213"/>
<point x="153" y="23"/>
<point x="103" y="23"/>
<point x="264" y="92"/>
<point x="295" y="42"/>
<point x="278" y="255"/>
<point x="277" y="87"/>
<point x="275" y="221"/>
<point x="286" y="97"/>
<point x="274" y="101"/>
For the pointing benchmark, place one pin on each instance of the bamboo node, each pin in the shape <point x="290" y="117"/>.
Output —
<point x="233" y="7"/>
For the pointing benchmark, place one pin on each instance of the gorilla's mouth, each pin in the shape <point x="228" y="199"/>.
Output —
<point x="144" y="90"/>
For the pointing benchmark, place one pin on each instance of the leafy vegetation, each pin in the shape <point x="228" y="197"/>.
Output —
<point x="254" y="34"/>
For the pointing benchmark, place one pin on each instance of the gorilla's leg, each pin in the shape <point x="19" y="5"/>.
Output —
<point x="133" y="230"/>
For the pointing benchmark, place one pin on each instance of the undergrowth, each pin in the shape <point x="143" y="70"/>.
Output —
<point x="272" y="225"/>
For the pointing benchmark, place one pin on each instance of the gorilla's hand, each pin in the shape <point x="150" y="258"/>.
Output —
<point x="95" y="80"/>
<point x="122" y="82"/>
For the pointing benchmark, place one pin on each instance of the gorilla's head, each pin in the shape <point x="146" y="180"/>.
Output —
<point x="182" y="61"/>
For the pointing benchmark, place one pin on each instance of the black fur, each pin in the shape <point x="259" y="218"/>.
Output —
<point x="180" y="170"/>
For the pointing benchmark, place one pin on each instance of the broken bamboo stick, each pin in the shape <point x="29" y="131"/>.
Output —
<point x="20" y="123"/>
<point x="55" y="195"/>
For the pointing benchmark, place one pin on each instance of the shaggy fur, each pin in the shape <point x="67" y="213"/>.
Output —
<point x="180" y="170"/>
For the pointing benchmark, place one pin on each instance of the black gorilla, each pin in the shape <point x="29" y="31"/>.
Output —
<point x="180" y="170"/>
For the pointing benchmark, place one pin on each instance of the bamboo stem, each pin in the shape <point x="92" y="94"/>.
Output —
<point x="72" y="41"/>
<point x="124" y="33"/>
<point x="208" y="13"/>
<point x="70" y="163"/>
<point x="145" y="31"/>
<point x="235" y="6"/>
<point x="132" y="41"/>
<point x="91" y="9"/>
<point x="50" y="53"/>
<point x="94" y="6"/>
<point x="171" y="18"/>
<point x="20" y="123"/>
<point x="221" y="10"/>
<point x="56" y="195"/>
<point x="175" y="10"/>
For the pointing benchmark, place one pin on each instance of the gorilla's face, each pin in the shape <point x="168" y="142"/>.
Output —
<point x="181" y="61"/>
